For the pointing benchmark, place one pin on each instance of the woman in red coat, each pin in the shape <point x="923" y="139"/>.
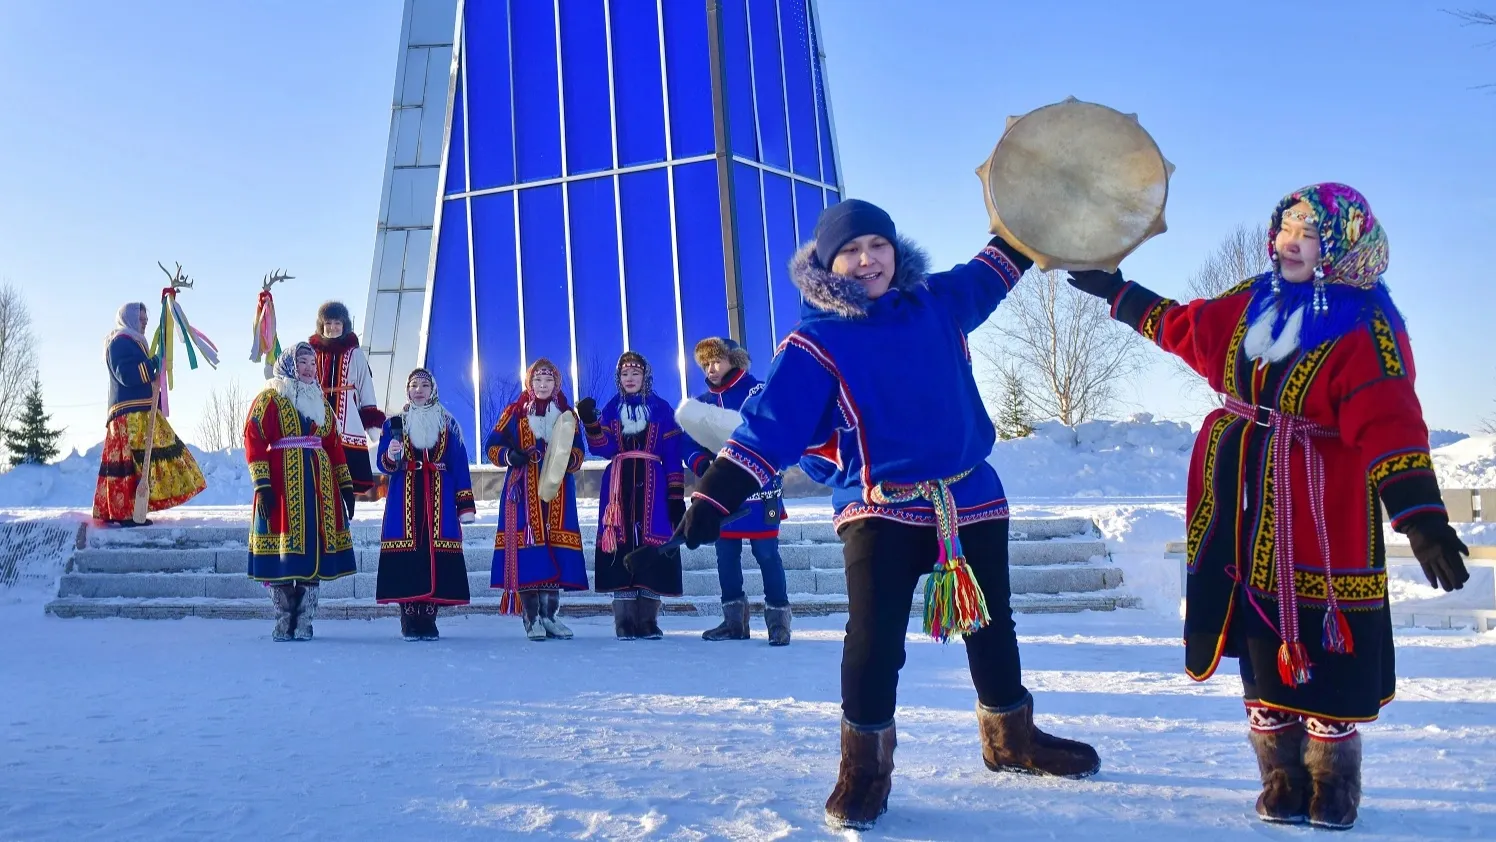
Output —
<point x="1287" y="568"/>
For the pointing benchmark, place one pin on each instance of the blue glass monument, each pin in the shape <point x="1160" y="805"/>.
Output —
<point x="573" y="178"/>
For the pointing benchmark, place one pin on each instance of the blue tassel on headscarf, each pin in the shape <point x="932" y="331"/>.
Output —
<point x="1349" y="308"/>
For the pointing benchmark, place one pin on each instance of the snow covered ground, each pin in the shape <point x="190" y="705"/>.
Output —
<point x="193" y="729"/>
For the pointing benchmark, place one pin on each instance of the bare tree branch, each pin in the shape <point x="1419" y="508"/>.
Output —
<point x="222" y="424"/>
<point x="1470" y="17"/>
<point x="17" y="355"/>
<point x="1241" y="254"/>
<point x="1064" y="346"/>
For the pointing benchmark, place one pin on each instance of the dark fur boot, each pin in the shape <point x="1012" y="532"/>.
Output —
<point x="410" y="621"/>
<point x="550" y="603"/>
<point x="647" y="617"/>
<point x="283" y="597"/>
<point x="778" y="621"/>
<point x="734" y="625"/>
<point x="428" y="622"/>
<point x="865" y="777"/>
<point x="1011" y="743"/>
<point x="623" y="617"/>
<point x="1285" y="781"/>
<point x="1335" y="768"/>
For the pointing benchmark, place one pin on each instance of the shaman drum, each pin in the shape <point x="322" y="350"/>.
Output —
<point x="557" y="455"/>
<point x="1076" y="185"/>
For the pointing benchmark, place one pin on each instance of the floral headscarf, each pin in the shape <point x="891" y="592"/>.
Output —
<point x="1353" y="244"/>
<point x="285" y="367"/>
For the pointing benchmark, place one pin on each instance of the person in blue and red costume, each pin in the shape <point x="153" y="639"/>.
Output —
<point x="538" y="547"/>
<point x="1287" y="567"/>
<point x="725" y="363"/>
<point x="303" y="493"/>
<point x="642" y="496"/>
<point x="421" y="565"/>
<point x="911" y="485"/>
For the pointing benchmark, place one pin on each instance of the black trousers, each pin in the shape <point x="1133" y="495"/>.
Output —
<point x="884" y="560"/>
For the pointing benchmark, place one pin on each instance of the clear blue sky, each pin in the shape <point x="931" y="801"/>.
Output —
<point x="240" y="136"/>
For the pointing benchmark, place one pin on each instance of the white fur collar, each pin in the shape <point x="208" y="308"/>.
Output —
<point x="541" y="425"/>
<point x="1261" y="345"/>
<point x="424" y="424"/>
<point x="633" y="418"/>
<point x="306" y="397"/>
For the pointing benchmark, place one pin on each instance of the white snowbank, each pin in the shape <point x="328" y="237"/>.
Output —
<point x="1443" y="438"/>
<point x="70" y="482"/>
<point x="1470" y="463"/>
<point x="1138" y="457"/>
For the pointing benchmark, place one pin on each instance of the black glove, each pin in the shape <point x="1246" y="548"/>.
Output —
<point x="517" y="458"/>
<point x="726" y="486"/>
<point x="677" y="512"/>
<point x="537" y="453"/>
<point x="1439" y="551"/>
<point x="1101" y="284"/>
<point x="587" y="411"/>
<point x="348" y="503"/>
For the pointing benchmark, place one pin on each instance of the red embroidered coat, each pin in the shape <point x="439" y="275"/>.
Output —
<point x="299" y="529"/>
<point x="1360" y="386"/>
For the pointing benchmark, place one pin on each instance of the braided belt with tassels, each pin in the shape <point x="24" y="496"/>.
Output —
<point x="953" y="600"/>
<point x="1285" y="431"/>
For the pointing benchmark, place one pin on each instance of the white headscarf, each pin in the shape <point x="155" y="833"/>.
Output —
<point x="306" y="397"/>
<point x="126" y="323"/>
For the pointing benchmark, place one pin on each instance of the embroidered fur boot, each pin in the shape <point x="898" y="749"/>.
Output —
<point x="647" y="617"/>
<point x="865" y="777"/>
<point x="734" y="625"/>
<point x="1285" y="781"/>
<point x="306" y="610"/>
<point x="410" y="621"/>
<point x="283" y="597"/>
<point x="1011" y="743"/>
<point x="428" y="621"/>
<point x="1335" y="768"/>
<point x="623" y="616"/>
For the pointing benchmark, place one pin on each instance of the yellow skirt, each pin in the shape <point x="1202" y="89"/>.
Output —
<point x="175" y="476"/>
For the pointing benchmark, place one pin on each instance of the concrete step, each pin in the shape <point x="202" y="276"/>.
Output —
<point x="366" y="534"/>
<point x="796" y="556"/>
<point x="571" y="606"/>
<point x="1048" y="579"/>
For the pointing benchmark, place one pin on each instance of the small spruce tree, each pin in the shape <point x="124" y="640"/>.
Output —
<point x="31" y="441"/>
<point x="1013" y="421"/>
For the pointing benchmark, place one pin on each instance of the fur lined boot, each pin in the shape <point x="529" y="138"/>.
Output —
<point x="647" y="617"/>
<point x="410" y="621"/>
<point x="777" y="618"/>
<point x="623" y="615"/>
<point x="428" y="621"/>
<point x="1011" y="743"/>
<point x="1285" y="781"/>
<point x="550" y="603"/>
<point x="306" y="610"/>
<point x="865" y="777"/>
<point x="530" y="607"/>
<point x="734" y="625"/>
<point x="1335" y="768"/>
<point x="283" y="597"/>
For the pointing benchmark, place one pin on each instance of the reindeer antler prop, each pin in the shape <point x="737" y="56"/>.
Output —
<point x="266" y="345"/>
<point x="173" y="319"/>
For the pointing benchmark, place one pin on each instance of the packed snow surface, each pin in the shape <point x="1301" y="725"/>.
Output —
<point x="205" y="729"/>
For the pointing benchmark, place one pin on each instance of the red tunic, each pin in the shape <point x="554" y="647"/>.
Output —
<point x="1360" y="386"/>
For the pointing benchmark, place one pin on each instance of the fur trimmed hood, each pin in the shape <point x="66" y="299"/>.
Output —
<point x="845" y="297"/>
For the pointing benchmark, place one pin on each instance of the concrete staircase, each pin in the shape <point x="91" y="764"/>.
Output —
<point x="163" y="572"/>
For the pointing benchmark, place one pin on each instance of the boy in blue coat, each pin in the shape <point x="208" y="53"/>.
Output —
<point x="912" y="488"/>
<point x="725" y="364"/>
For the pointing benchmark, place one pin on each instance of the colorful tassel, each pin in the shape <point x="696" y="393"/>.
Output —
<point x="954" y="603"/>
<point x="1338" y="639"/>
<point x="509" y="602"/>
<point x="1293" y="664"/>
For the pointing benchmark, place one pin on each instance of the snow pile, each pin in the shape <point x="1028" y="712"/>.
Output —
<point x="1138" y="457"/>
<point x="1442" y="438"/>
<point x="70" y="482"/>
<point x="1470" y="463"/>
